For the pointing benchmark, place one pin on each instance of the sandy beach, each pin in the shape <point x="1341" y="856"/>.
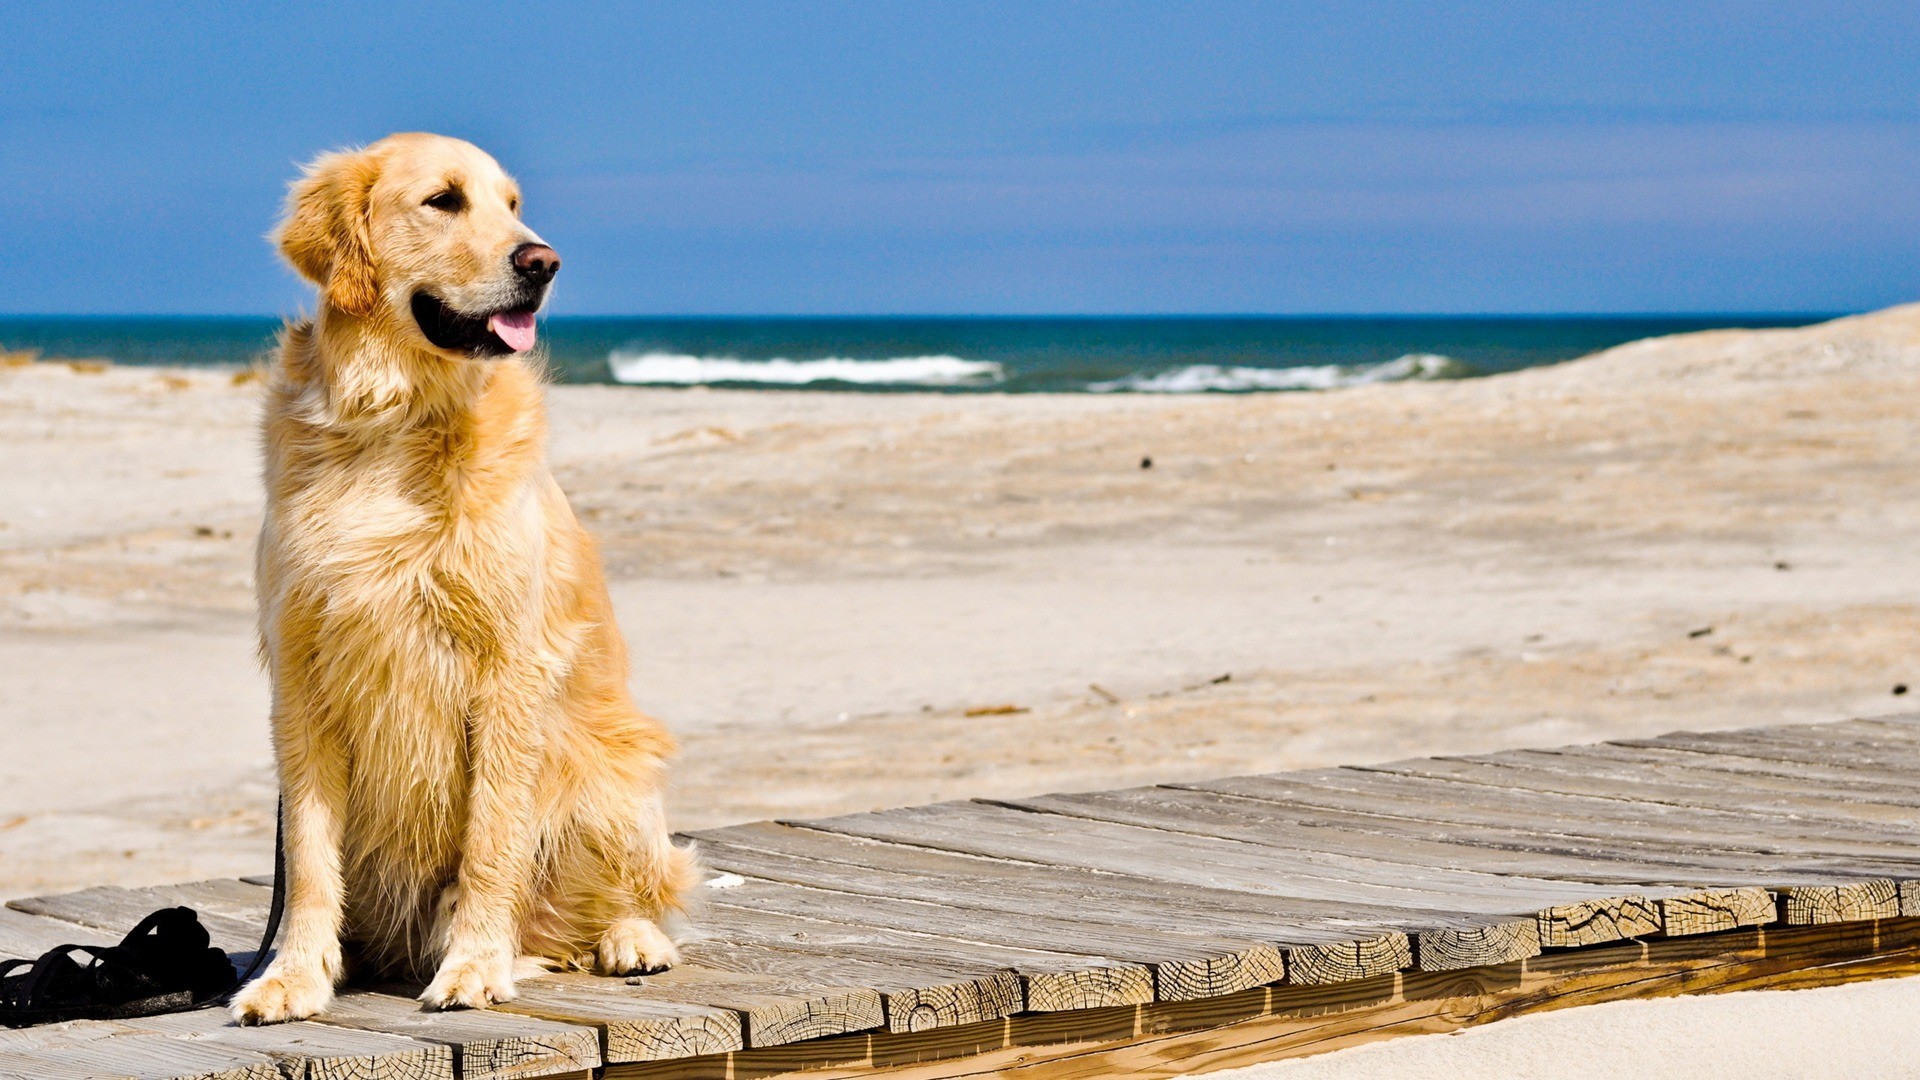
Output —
<point x="849" y="601"/>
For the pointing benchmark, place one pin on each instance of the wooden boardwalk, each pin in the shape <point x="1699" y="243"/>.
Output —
<point x="1152" y="931"/>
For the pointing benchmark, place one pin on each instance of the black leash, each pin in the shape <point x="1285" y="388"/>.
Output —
<point x="274" y="906"/>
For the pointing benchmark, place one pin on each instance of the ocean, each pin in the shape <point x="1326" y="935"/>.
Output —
<point x="971" y="354"/>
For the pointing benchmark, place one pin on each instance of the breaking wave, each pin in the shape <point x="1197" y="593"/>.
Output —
<point x="680" y="369"/>
<point x="1205" y="378"/>
<point x="656" y="368"/>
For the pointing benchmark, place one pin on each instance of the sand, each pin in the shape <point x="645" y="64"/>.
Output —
<point x="1830" y="1033"/>
<point x="822" y="591"/>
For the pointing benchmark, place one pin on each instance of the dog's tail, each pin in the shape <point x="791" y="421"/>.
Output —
<point x="529" y="967"/>
<point x="679" y="900"/>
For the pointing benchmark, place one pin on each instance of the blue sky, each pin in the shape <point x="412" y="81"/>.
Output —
<point x="1002" y="157"/>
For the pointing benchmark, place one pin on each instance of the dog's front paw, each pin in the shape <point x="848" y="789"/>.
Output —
<point x="290" y="993"/>
<point x="471" y="982"/>
<point x="634" y="947"/>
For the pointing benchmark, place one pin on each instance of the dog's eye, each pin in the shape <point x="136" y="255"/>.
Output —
<point x="449" y="201"/>
<point x="513" y="206"/>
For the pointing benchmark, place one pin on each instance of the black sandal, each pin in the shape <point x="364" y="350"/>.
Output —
<point x="165" y="964"/>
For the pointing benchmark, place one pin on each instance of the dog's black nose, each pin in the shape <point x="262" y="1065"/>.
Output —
<point x="536" y="262"/>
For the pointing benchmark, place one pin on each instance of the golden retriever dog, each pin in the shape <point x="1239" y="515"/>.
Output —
<point x="469" y="792"/>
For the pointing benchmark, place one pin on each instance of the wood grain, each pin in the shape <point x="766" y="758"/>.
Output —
<point x="1707" y="911"/>
<point x="1484" y="946"/>
<point x="1596" y="922"/>
<point x="1856" y="901"/>
<point x="656" y="1032"/>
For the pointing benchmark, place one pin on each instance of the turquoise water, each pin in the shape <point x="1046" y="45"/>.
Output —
<point x="1139" y="354"/>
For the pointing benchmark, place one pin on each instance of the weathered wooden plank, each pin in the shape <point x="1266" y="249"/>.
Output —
<point x="116" y="910"/>
<point x="1709" y="774"/>
<point x="999" y="832"/>
<point x="927" y="982"/>
<point x="1323" y="965"/>
<point x="1838" y="740"/>
<point x="1099" y="845"/>
<point x="1582" y="815"/>
<point x="923" y="988"/>
<point x="28" y="1067"/>
<point x="1710" y="910"/>
<point x="1715" y="802"/>
<point x="1810" y="905"/>
<point x="109" y="1049"/>
<point x="1831" y="778"/>
<point x="1270" y="823"/>
<point x="26" y="936"/>
<point x="309" y="1050"/>
<point x="1584" y="922"/>
<point x="1665" y="850"/>
<point x="633" y="1030"/>
<point x="1893" y="743"/>
<point x="487" y="1045"/>
<point x="775" y="1011"/>
<point x="1871" y="764"/>
<point x="848" y="864"/>
<point x="1043" y="974"/>
<point x="1217" y="976"/>
<point x="1486" y="946"/>
<point x="1321" y="934"/>
<point x="1869" y="760"/>
<point x="1097" y="988"/>
<point x="1596" y="922"/>
<point x="1185" y="964"/>
<point x="1744" y="771"/>
<point x="939" y="1002"/>
<point x="1534" y="771"/>
<point x="1902" y="726"/>
<point x="1890" y="730"/>
<point x="1645" y="866"/>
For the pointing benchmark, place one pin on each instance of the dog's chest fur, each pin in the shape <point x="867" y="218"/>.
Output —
<point x="418" y="544"/>
<point x="403" y="564"/>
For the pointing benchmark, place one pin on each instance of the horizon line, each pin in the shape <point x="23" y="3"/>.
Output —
<point x="1826" y="313"/>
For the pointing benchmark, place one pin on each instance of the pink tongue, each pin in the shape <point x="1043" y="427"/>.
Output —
<point x="515" y="328"/>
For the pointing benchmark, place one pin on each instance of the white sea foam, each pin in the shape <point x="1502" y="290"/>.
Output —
<point x="1201" y="378"/>
<point x="680" y="369"/>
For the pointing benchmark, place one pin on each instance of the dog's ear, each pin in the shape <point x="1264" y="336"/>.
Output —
<point x="325" y="231"/>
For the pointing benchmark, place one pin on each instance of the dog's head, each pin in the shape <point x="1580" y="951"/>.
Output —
<point x="425" y="230"/>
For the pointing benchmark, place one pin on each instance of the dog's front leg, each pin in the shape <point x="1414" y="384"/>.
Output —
<point x="313" y="791"/>
<point x="496" y="861"/>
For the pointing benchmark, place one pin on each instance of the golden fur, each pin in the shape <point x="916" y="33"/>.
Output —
<point x="465" y="779"/>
